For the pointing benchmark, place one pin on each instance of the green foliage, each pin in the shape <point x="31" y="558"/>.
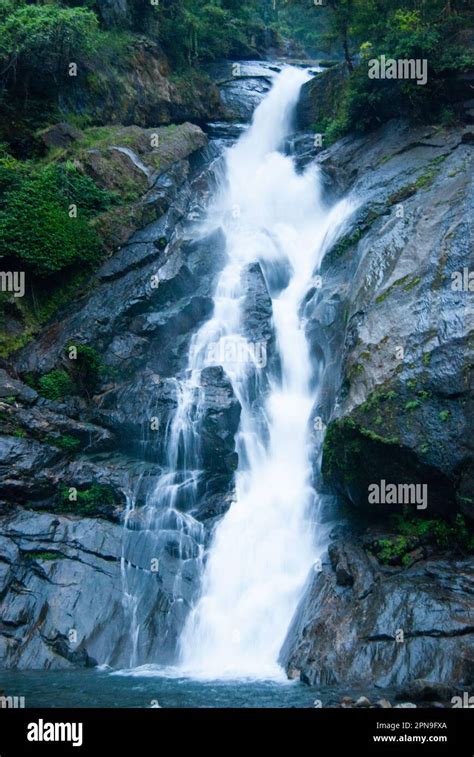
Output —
<point x="196" y="30"/>
<point x="87" y="368"/>
<point x="35" y="227"/>
<point x="55" y="385"/>
<point x="89" y="501"/>
<point x="399" y="29"/>
<point x="66" y="442"/>
<point x="413" y="532"/>
<point x="44" y="555"/>
<point x="392" y="550"/>
<point x="37" y="42"/>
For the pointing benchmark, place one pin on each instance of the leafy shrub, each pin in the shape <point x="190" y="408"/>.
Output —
<point x="37" y="42"/>
<point x="35" y="226"/>
<point x="55" y="385"/>
<point x="66" y="442"/>
<point x="87" y="367"/>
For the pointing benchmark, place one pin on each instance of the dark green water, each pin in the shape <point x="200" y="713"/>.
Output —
<point x="95" y="688"/>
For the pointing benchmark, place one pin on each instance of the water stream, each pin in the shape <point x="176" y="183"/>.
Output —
<point x="268" y="541"/>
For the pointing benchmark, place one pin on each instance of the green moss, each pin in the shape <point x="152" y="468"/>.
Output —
<point x="355" y="370"/>
<point x="45" y="556"/>
<point x="444" y="415"/>
<point x="87" y="367"/>
<point x="412" y="405"/>
<point x="424" y="395"/>
<point x="426" y="359"/>
<point x="346" y="242"/>
<point x="397" y="283"/>
<point x="422" y="182"/>
<point x="377" y="438"/>
<point x="414" y="532"/>
<point x="412" y="284"/>
<point x="65" y="442"/>
<point x="89" y="501"/>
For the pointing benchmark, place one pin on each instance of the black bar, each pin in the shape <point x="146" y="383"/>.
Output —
<point x="151" y="731"/>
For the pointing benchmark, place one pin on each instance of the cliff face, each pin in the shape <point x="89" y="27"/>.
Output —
<point x="403" y="386"/>
<point x="393" y="325"/>
<point x="141" y="89"/>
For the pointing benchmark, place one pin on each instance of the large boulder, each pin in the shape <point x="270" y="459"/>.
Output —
<point x="367" y="625"/>
<point x="320" y="97"/>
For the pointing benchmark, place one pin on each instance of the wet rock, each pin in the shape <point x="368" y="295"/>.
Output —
<point x="220" y="412"/>
<point x="257" y="310"/>
<point x="320" y="95"/>
<point x="362" y="702"/>
<point x="340" y="565"/>
<point x="242" y="86"/>
<point x="387" y="292"/>
<point x="390" y="627"/>
<point x="15" y="389"/>
<point x="426" y="691"/>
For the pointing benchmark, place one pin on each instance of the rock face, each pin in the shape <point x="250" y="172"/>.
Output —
<point x="138" y="88"/>
<point x="143" y="168"/>
<point x="393" y="328"/>
<point x="242" y="86"/>
<point x="59" y="582"/>
<point x="70" y="466"/>
<point x="113" y="12"/>
<point x="362" y="624"/>
<point x="319" y="97"/>
<point x="390" y="308"/>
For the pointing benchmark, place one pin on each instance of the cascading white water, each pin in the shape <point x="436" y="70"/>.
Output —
<point x="265" y="545"/>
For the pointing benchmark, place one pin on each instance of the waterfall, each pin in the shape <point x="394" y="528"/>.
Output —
<point x="266" y="544"/>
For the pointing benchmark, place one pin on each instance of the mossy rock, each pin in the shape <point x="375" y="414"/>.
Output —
<point x="356" y="456"/>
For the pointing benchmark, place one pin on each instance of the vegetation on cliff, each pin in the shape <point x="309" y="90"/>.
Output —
<point x="439" y="32"/>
